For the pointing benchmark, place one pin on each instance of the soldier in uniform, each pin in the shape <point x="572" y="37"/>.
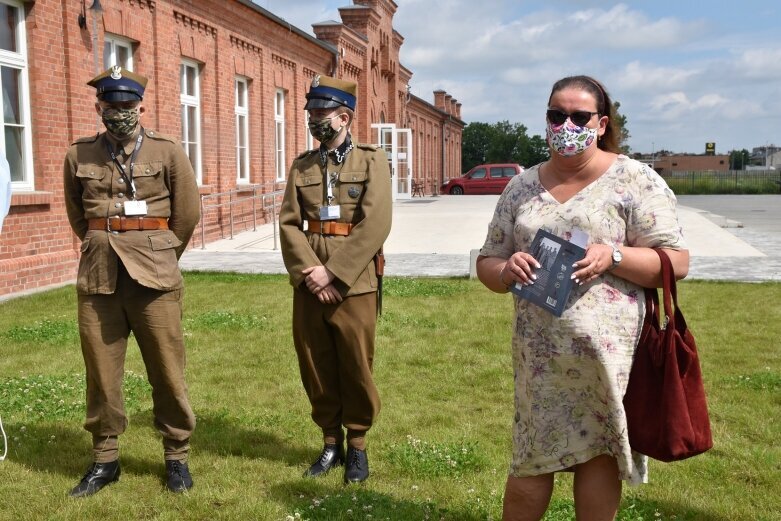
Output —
<point x="335" y="216"/>
<point x="132" y="199"/>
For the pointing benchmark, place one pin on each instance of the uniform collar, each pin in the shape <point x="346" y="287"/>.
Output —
<point x="339" y="154"/>
<point x="126" y="144"/>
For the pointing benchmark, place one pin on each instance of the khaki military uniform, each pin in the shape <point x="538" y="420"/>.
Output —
<point x="130" y="281"/>
<point x="335" y="342"/>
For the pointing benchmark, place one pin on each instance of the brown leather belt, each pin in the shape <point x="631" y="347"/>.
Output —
<point x="329" y="227"/>
<point x="124" y="224"/>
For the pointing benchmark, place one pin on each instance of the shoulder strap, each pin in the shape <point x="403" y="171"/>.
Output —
<point x="670" y="293"/>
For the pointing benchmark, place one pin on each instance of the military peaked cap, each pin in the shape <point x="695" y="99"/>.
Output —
<point x="328" y="93"/>
<point x="117" y="84"/>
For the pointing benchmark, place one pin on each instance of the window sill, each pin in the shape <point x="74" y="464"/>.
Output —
<point x="34" y="198"/>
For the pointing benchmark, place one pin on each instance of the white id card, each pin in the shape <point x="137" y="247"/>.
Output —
<point x="135" y="208"/>
<point x="329" y="213"/>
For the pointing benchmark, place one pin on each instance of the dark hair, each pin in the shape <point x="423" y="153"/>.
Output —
<point x="609" y="140"/>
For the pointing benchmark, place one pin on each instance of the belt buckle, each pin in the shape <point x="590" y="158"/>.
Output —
<point x="115" y="218"/>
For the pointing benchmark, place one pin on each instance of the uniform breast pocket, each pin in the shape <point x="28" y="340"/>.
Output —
<point x="352" y="185"/>
<point x="95" y="180"/>
<point x="148" y="178"/>
<point x="310" y="189"/>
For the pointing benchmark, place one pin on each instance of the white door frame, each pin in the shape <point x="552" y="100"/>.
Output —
<point x="399" y="152"/>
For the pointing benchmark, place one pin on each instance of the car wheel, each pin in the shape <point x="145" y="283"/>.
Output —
<point x="456" y="190"/>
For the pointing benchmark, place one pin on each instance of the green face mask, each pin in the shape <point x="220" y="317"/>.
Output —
<point x="120" y="122"/>
<point x="322" y="130"/>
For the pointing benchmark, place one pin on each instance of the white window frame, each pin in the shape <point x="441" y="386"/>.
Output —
<point x="115" y="41"/>
<point x="241" y="109"/>
<point x="191" y="101"/>
<point x="18" y="60"/>
<point x="279" y="134"/>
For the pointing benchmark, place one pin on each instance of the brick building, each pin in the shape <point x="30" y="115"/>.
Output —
<point x="690" y="163"/>
<point x="226" y="77"/>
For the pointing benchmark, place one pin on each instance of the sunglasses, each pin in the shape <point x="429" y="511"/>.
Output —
<point x="579" y="117"/>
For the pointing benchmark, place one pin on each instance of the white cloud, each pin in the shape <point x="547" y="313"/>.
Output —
<point x="680" y="72"/>
<point x="652" y="78"/>
<point x="759" y="64"/>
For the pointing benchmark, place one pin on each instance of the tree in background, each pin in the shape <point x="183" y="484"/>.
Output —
<point x="475" y="140"/>
<point x="622" y="132"/>
<point x="502" y="142"/>
<point x="738" y="159"/>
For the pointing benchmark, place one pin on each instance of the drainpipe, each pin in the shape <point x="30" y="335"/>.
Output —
<point x="444" y="150"/>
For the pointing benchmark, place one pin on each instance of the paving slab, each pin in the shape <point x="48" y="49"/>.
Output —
<point x="434" y="236"/>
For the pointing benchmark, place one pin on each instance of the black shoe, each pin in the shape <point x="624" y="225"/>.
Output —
<point x="98" y="476"/>
<point x="332" y="456"/>
<point x="356" y="468"/>
<point x="179" y="478"/>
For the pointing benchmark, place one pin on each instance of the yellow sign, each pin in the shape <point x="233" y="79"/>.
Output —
<point x="710" y="149"/>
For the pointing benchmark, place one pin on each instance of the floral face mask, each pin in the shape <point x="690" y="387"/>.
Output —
<point x="569" y="139"/>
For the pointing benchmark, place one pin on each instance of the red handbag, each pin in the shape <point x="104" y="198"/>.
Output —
<point x="666" y="412"/>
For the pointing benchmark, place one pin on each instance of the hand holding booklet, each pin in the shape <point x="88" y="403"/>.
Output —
<point x="554" y="279"/>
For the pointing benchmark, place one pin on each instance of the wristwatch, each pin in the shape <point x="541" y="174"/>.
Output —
<point x="617" y="257"/>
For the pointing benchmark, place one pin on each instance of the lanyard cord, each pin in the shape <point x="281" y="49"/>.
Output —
<point x="128" y="177"/>
<point x="331" y="178"/>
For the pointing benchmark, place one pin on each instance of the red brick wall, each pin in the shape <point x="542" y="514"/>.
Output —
<point x="226" y="38"/>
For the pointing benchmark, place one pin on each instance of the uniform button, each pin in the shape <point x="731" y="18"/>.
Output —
<point x="92" y="174"/>
<point x="151" y="133"/>
<point x="121" y="181"/>
<point x="169" y="241"/>
<point x="115" y="232"/>
<point x="147" y="170"/>
<point x="120" y="194"/>
<point x="117" y="205"/>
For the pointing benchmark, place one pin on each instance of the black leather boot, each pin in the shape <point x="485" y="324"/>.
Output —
<point x="356" y="468"/>
<point x="98" y="476"/>
<point x="332" y="456"/>
<point x="179" y="478"/>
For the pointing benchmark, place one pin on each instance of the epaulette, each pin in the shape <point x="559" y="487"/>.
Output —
<point x="366" y="146"/>
<point x="308" y="152"/>
<point x="160" y="137"/>
<point x="88" y="139"/>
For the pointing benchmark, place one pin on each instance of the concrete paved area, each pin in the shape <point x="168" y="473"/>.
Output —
<point x="730" y="238"/>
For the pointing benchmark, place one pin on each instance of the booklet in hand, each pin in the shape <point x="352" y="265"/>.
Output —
<point x="553" y="285"/>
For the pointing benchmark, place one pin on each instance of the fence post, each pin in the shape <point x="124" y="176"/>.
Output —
<point x="230" y="211"/>
<point x="274" y="217"/>
<point x="254" y="219"/>
<point x="203" y="234"/>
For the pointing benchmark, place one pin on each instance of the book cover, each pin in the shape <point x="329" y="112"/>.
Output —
<point x="553" y="285"/>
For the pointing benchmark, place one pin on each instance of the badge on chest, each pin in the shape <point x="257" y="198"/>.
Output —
<point x="135" y="208"/>
<point x="330" y="211"/>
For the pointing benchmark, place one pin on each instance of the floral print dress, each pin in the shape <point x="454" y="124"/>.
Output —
<point x="571" y="372"/>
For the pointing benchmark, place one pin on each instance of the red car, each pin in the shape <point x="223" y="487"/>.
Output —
<point x="483" y="179"/>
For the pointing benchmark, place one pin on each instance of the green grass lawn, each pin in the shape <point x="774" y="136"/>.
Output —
<point x="441" y="446"/>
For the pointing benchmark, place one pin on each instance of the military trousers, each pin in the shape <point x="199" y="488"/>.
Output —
<point x="335" y="348"/>
<point x="154" y="317"/>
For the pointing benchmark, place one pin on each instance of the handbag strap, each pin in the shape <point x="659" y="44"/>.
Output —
<point x="670" y="292"/>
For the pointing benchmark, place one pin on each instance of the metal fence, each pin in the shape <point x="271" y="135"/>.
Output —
<point x="261" y="196"/>
<point x="726" y="182"/>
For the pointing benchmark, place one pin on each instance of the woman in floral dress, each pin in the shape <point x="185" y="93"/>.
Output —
<point x="571" y="371"/>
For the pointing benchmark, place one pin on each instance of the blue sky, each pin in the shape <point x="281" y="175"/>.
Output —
<point x="684" y="72"/>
